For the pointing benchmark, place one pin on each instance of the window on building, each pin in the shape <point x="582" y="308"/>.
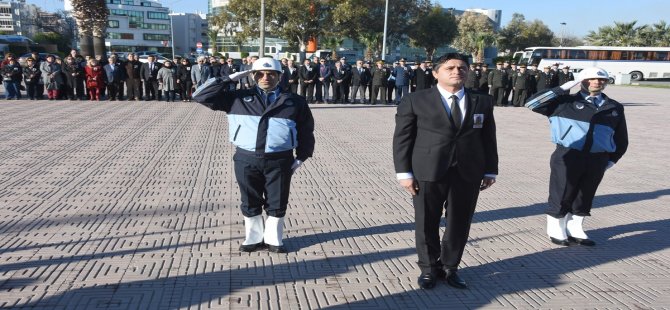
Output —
<point x="112" y="23"/>
<point x="157" y="15"/>
<point x="120" y="36"/>
<point x="5" y="10"/>
<point x="156" y="37"/>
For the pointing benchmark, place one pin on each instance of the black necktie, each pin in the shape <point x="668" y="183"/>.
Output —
<point x="455" y="111"/>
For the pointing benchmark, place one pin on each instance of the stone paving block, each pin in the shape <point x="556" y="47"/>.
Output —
<point x="125" y="205"/>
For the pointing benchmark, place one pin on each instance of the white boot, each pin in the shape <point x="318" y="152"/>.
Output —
<point x="556" y="229"/>
<point x="574" y="226"/>
<point x="274" y="228"/>
<point x="253" y="229"/>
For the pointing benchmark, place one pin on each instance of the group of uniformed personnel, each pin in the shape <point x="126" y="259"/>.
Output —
<point x="521" y="82"/>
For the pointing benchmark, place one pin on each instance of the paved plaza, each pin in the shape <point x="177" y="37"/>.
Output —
<point x="125" y="205"/>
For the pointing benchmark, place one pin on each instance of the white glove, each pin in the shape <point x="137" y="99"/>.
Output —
<point x="239" y="75"/>
<point x="569" y="84"/>
<point x="610" y="164"/>
<point x="296" y="165"/>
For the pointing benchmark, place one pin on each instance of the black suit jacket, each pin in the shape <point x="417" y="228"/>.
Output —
<point x="426" y="142"/>
<point x="147" y="74"/>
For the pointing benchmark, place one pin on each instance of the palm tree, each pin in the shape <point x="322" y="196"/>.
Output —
<point x="332" y="43"/>
<point x="82" y="11"/>
<point x="99" y="23"/>
<point x="372" y="42"/>
<point x="482" y="40"/>
<point x="212" y="35"/>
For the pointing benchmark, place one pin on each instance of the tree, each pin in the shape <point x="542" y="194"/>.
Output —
<point x="519" y="34"/>
<point x="472" y="23"/>
<point x="537" y="34"/>
<point x="99" y="21"/>
<point x="62" y="42"/>
<point x="212" y="35"/>
<point x="482" y="40"/>
<point x="567" y="41"/>
<point x="82" y="11"/>
<point x="434" y="29"/>
<point x="621" y="34"/>
<point x="363" y="18"/>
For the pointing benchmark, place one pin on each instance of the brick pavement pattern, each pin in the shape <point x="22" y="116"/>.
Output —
<point x="120" y="205"/>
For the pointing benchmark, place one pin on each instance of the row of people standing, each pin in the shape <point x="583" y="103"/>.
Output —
<point x="94" y="78"/>
<point x="521" y="83"/>
<point x="316" y="79"/>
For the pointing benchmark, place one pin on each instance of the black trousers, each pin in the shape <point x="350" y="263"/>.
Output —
<point x="498" y="94"/>
<point x="151" y="90"/>
<point x="307" y="91"/>
<point x="293" y="88"/>
<point x="378" y="89"/>
<point x="133" y="86"/>
<point x="360" y="90"/>
<point x="520" y="96"/>
<point x="389" y="93"/>
<point x="339" y="93"/>
<point x="456" y="199"/>
<point x="264" y="183"/>
<point x="574" y="179"/>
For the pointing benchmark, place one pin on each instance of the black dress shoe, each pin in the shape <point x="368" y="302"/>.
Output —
<point x="277" y="249"/>
<point x="453" y="279"/>
<point x="426" y="281"/>
<point x="440" y="273"/>
<point x="559" y="241"/>
<point x="252" y="247"/>
<point x="585" y="242"/>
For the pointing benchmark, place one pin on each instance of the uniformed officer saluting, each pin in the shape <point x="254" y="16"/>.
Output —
<point x="590" y="133"/>
<point x="266" y="124"/>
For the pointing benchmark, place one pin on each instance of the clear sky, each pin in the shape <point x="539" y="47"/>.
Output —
<point x="579" y="16"/>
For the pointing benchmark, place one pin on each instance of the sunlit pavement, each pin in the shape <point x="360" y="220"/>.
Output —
<point x="125" y="205"/>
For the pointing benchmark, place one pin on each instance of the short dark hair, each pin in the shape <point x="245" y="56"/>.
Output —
<point x="449" y="56"/>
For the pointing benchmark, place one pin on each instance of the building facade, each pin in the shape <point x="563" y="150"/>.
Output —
<point x="189" y="29"/>
<point x="137" y="25"/>
<point x="16" y="17"/>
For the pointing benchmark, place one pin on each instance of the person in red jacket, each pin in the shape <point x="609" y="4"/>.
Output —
<point x="95" y="79"/>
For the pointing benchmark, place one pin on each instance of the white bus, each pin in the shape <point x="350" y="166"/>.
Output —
<point x="640" y="62"/>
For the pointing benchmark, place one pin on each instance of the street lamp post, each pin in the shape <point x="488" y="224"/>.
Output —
<point x="386" y="18"/>
<point x="261" y="49"/>
<point x="562" y="33"/>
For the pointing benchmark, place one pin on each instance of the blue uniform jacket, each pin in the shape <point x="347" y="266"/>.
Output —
<point x="578" y="124"/>
<point x="284" y="125"/>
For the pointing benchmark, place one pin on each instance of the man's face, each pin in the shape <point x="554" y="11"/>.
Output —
<point x="594" y="85"/>
<point x="267" y="80"/>
<point x="506" y="65"/>
<point x="151" y="58"/>
<point x="380" y="65"/>
<point x="136" y="57"/>
<point x="212" y="60"/>
<point x="307" y="62"/>
<point x="73" y="53"/>
<point x="402" y="63"/>
<point x="290" y="63"/>
<point x="229" y="62"/>
<point x="451" y="73"/>
<point x="522" y="69"/>
<point x="422" y="65"/>
<point x="565" y="70"/>
<point x="359" y="64"/>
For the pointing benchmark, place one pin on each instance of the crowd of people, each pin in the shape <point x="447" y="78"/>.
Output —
<point x="518" y="83"/>
<point x="319" y="80"/>
<point x="112" y="78"/>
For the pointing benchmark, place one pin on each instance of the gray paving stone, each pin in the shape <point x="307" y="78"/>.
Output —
<point x="135" y="206"/>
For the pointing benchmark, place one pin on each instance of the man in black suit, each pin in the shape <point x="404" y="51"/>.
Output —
<point x="149" y="74"/>
<point x="445" y="152"/>
<point x="360" y="76"/>
<point x="423" y="77"/>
